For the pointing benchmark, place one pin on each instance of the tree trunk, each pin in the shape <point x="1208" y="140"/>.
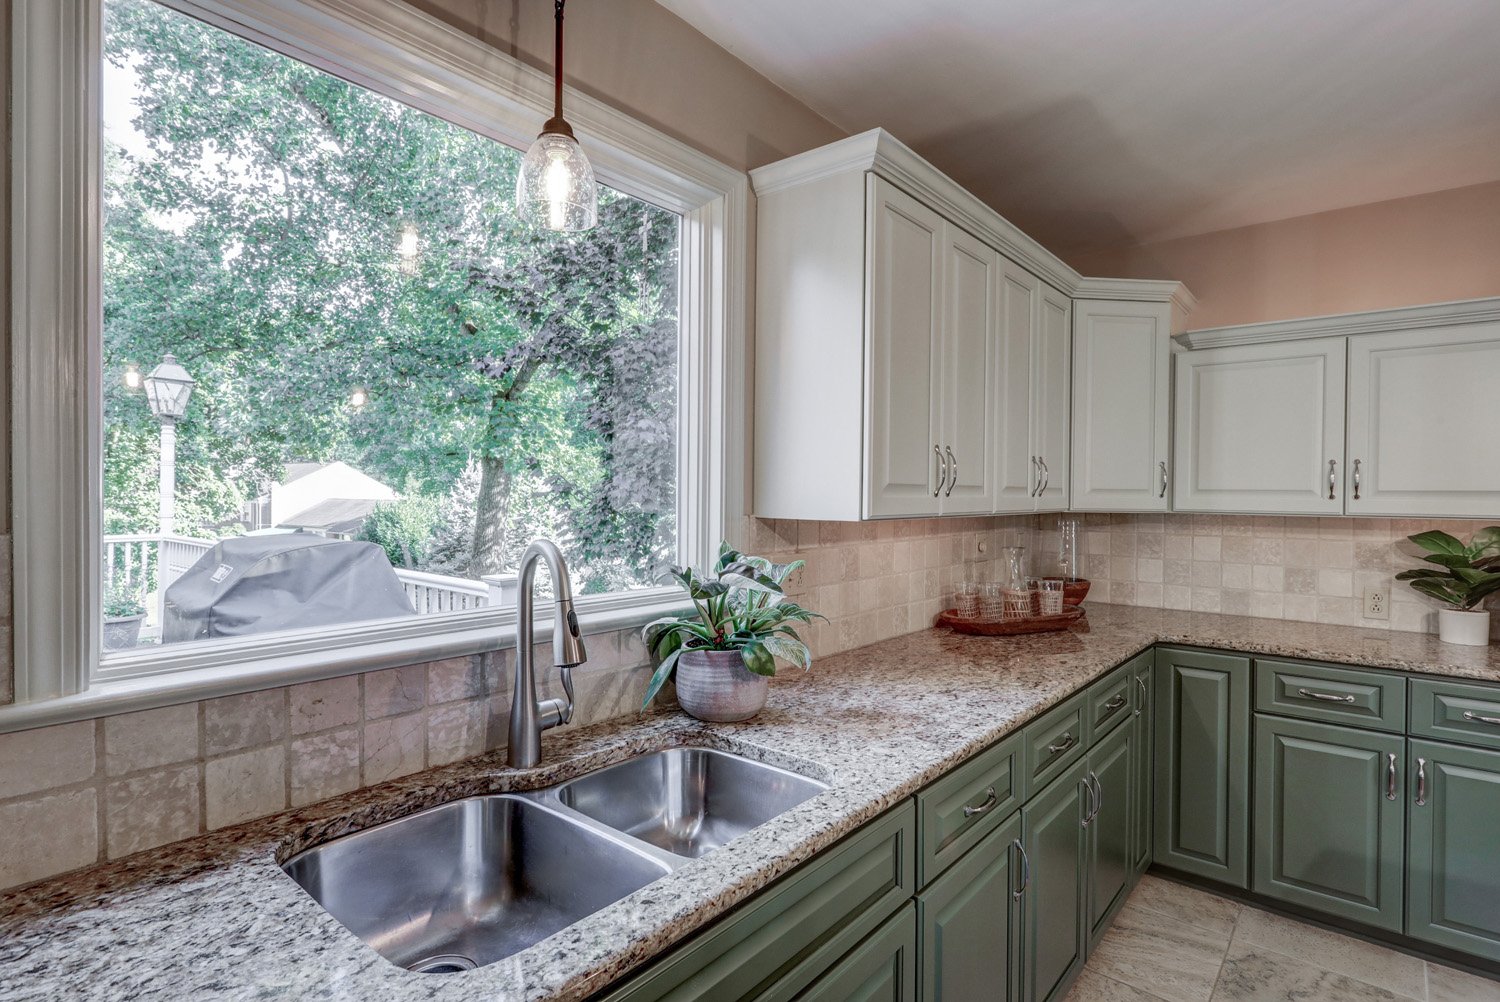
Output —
<point x="491" y="517"/>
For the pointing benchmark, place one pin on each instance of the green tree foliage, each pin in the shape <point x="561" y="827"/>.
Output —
<point x="256" y="236"/>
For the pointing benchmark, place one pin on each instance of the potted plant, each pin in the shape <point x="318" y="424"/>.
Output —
<point x="1469" y="574"/>
<point x="123" y="614"/>
<point x="725" y="651"/>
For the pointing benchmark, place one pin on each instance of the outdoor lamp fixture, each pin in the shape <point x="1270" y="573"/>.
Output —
<point x="167" y="390"/>
<point x="556" y="185"/>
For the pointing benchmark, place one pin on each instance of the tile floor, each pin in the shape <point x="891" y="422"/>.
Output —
<point x="1172" y="943"/>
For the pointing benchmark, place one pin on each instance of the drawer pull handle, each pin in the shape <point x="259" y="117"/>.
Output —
<point x="1115" y="702"/>
<point x="1068" y="741"/>
<point x="1163" y="492"/>
<point x="1329" y="697"/>
<point x="1390" y="776"/>
<point x="1421" y="782"/>
<point x="1140" y="680"/>
<point x="1480" y="718"/>
<point x="1332" y="478"/>
<point x="953" y="473"/>
<point x="1025" y="870"/>
<point x="942" y="477"/>
<point x="990" y="801"/>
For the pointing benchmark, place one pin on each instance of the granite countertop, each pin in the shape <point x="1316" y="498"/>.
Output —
<point x="215" y="918"/>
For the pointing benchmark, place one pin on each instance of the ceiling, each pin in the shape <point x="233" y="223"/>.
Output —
<point x="1102" y="123"/>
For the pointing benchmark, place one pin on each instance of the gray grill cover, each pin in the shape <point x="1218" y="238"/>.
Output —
<point x="258" y="584"/>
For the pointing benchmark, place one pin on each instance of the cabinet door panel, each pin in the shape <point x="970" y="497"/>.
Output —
<point x="1050" y="393"/>
<point x="971" y="332"/>
<point x="1453" y="884"/>
<point x="1054" y="838"/>
<point x="1111" y="864"/>
<point x="1421" y="422"/>
<point x="967" y="920"/>
<point x="1329" y="825"/>
<point x="1121" y="391"/>
<point x="1258" y="425"/>
<point x="1201" y="822"/>
<point x="1015" y="467"/>
<point x="905" y="324"/>
<point x="881" y="969"/>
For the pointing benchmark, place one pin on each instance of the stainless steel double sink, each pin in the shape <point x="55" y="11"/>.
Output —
<point x="470" y="882"/>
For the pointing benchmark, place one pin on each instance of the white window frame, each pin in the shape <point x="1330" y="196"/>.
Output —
<point x="389" y="47"/>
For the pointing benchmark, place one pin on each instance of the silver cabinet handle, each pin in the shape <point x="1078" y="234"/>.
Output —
<point x="1326" y="697"/>
<point x="1046" y="476"/>
<point x="1088" y="808"/>
<point x="990" y="800"/>
<point x="1140" y="680"/>
<point x="1025" y="870"/>
<point x="1421" y="782"/>
<point x="943" y="470"/>
<point x="1114" y="704"/>
<point x="1333" y="478"/>
<point x="1068" y="741"/>
<point x="952" y="473"/>
<point x="1390" y="776"/>
<point x="1036" y="467"/>
<point x="1163" y="492"/>
<point x="1099" y="799"/>
<point x="1480" y="718"/>
<point x="1355" y="473"/>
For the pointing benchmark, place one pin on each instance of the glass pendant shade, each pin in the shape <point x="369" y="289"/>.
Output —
<point x="556" y="186"/>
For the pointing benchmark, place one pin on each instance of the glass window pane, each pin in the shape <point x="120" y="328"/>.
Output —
<point x="380" y="352"/>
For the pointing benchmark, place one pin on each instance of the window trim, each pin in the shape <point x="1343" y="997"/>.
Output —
<point x="390" y="47"/>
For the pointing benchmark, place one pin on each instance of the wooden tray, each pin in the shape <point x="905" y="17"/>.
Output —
<point x="1010" y="627"/>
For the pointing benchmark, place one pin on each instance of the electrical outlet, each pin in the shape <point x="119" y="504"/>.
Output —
<point x="1377" y="604"/>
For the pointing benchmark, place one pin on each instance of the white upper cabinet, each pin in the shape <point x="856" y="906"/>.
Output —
<point x="907" y="469"/>
<point x="1017" y="475"/>
<point x="1050" y="393"/>
<point x="1260" y="428"/>
<point x="1121" y="396"/>
<point x="1423" y="426"/>
<point x="965" y="425"/>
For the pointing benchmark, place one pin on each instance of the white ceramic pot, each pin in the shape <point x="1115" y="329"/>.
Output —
<point x="1469" y="628"/>
<point x="716" y="686"/>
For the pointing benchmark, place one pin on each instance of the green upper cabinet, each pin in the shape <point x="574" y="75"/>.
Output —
<point x="1201" y="817"/>
<point x="1053" y="873"/>
<point x="969" y="923"/>
<point x="1143" y="714"/>
<point x="1329" y="829"/>
<point x="1110" y="856"/>
<point x="1453" y="865"/>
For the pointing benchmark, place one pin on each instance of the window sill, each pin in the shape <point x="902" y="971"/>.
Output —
<point x="141" y="682"/>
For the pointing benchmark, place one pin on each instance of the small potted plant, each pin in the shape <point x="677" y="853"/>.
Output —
<point x="725" y="651"/>
<point x="1469" y="574"/>
<point x="123" y="614"/>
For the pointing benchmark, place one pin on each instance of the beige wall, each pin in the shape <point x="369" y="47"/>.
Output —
<point x="1424" y="249"/>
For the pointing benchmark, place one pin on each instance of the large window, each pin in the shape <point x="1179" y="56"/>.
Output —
<point x="382" y="352"/>
<point x="275" y="309"/>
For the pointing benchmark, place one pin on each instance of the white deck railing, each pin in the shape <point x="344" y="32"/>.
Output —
<point x="150" y="563"/>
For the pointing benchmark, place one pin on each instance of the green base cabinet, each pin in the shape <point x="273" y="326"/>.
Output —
<point x="1453" y="865"/>
<point x="1054" y="876"/>
<point x="1109" y="854"/>
<point x="1201" y="816"/>
<point x="1329" y="825"/>
<point x="1141" y="795"/>
<point x="881" y="969"/>
<point x="969" y="924"/>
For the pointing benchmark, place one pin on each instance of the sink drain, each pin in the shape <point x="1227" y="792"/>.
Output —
<point x="448" y="963"/>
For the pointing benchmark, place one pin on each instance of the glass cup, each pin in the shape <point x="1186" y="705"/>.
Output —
<point x="992" y="601"/>
<point x="1050" y="599"/>
<point x="1017" y="603"/>
<point x="966" y="600"/>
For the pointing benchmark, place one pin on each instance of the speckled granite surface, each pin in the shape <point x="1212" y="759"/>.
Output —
<point x="215" y="918"/>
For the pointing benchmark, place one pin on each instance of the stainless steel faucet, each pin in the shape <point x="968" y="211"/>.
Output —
<point x="529" y="718"/>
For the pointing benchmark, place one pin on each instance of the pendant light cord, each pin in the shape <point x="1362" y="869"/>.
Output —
<point x="557" y="62"/>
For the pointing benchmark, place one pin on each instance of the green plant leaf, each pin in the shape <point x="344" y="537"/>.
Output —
<point x="1485" y="542"/>
<point x="1450" y="560"/>
<point x="1480" y="592"/>
<point x="1437" y="541"/>
<point x="1440" y="589"/>
<point x="660" y="676"/>
<point x="1420" y="572"/>
<point x="757" y="658"/>
<point x="792" y="651"/>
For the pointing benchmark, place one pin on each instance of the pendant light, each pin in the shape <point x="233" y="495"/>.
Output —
<point x="556" y="185"/>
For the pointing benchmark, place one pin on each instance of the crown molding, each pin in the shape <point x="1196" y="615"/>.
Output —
<point x="1138" y="290"/>
<point x="1451" y="314"/>
<point x="881" y="152"/>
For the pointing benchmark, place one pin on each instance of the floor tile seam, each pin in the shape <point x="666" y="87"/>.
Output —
<point x="1329" y="970"/>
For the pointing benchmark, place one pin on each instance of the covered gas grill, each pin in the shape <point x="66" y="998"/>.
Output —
<point x="260" y="584"/>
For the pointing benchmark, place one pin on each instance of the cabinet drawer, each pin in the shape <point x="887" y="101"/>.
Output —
<point x="1054" y="741"/>
<point x="955" y="812"/>
<point x="1109" y="701"/>
<point x="1455" y="711"/>
<point x="786" y="935"/>
<point x="1347" y="696"/>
